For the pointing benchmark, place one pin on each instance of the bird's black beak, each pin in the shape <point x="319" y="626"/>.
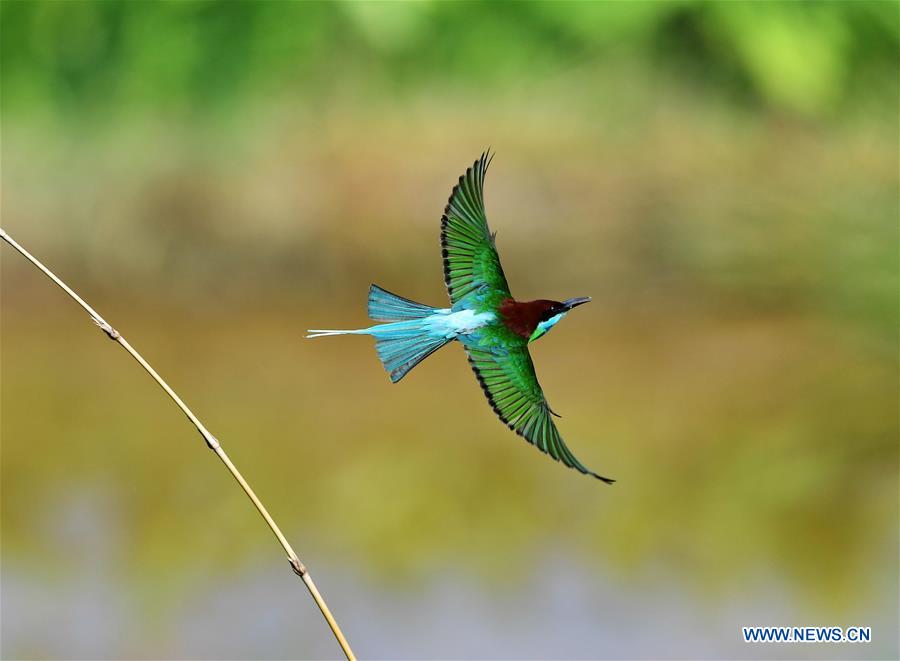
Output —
<point x="575" y="302"/>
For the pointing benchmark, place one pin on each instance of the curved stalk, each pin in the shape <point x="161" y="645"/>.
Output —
<point x="211" y="441"/>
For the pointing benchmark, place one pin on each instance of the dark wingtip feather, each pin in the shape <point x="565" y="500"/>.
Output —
<point x="486" y="158"/>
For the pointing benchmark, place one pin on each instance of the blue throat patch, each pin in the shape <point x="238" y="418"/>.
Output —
<point x="544" y="326"/>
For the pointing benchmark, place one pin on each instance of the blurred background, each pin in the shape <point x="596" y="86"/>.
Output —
<point x="721" y="178"/>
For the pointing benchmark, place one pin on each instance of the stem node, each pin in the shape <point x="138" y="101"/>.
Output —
<point x="211" y="441"/>
<point x="298" y="567"/>
<point x="104" y="325"/>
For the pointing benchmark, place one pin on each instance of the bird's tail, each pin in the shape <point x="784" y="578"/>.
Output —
<point x="404" y="344"/>
<point x="325" y="333"/>
<point x="385" y="306"/>
<point x="406" y="341"/>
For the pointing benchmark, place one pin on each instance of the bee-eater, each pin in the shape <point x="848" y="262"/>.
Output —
<point x="494" y="328"/>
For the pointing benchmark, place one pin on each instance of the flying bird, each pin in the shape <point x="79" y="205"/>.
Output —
<point x="494" y="328"/>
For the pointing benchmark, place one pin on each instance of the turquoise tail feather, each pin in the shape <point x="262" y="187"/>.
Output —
<point x="401" y="350"/>
<point x="385" y="306"/>
<point x="406" y="341"/>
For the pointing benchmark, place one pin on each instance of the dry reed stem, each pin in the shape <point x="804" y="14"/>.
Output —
<point x="298" y="567"/>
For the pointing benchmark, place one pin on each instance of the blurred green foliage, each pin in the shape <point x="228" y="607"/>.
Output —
<point x="93" y="58"/>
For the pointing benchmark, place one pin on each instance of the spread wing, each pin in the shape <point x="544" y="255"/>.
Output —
<point x="470" y="257"/>
<point x="508" y="379"/>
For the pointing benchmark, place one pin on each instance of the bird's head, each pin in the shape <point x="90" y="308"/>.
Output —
<point x="553" y="312"/>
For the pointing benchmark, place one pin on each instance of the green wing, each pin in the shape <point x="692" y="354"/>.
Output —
<point x="471" y="262"/>
<point x="508" y="379"/>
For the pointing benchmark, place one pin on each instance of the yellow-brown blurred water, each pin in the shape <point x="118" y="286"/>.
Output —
<point x="736" y="371"/>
